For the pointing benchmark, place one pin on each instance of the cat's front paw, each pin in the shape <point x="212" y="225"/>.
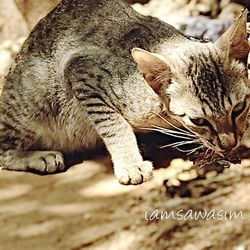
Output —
<point x="134" y="174"/>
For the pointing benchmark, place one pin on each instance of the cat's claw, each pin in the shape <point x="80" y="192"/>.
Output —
<point x="49" y="163"/>
<point x="135" y="174"/>
<point x="40" y="162"/>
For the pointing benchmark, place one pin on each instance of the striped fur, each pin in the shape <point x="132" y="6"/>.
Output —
<point x="74" y="85"/>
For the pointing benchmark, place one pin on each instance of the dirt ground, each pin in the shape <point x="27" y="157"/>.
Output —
<point x="86" y="208"/>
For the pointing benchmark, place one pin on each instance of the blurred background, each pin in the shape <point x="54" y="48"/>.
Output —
<point x="86" y="208"/>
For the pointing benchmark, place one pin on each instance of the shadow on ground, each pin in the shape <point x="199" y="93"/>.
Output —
<point x="86" y="208"/>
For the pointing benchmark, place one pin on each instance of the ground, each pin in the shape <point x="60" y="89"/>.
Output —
<point x="86" y="208"/>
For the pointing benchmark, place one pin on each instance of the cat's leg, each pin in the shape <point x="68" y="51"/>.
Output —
<point x="87" y="82"/>
<point x="15" y="141"/>
<point x="41" y="162"/>
<point x="119" y="138"/>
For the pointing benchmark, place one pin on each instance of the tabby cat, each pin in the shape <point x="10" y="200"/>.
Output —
<point x="75" y="84"/>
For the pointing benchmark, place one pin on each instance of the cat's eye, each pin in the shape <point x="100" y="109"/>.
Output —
<point x="201" y="122"/>
<point x="239" y="108"/>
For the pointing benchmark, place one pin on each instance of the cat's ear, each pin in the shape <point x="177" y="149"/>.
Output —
<point x="155" y="69"/>
<point x="233" y="43"/>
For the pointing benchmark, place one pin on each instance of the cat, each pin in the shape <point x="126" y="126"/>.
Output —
<point x="96" y="71"/>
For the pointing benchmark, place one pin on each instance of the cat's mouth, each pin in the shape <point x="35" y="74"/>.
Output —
<point x="211" y="154"/>
<point x="199" y="150"/>
<point x="207" y="157"/>
<point x="222" y="151"/>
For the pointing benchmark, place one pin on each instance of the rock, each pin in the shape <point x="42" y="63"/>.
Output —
<point x="5" y="61"/>
<point x="34" y="10"/>
<point x="201" y="27"/>
<point x="204" y="7"/>
<point x="231" y="11"/>
<point x="12" y="24"/>
<point x="8" y="50"/>
<point x="244" y="3"/>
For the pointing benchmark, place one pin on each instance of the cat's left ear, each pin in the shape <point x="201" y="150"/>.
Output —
<point x="155" y="69"/>
<point x="234" y="41"/>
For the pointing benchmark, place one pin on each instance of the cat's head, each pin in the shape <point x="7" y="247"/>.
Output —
<point x="204" y="85"/>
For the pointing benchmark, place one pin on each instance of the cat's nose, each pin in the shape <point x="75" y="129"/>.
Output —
<point x="227" y="142"/>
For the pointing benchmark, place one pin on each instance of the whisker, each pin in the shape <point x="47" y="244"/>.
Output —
<point x="174" y="131"/>
<point x="169" y="123"/>
<point x="190" y="151"/>
<point x="183" y="150"/>
<point x="175" y="135"/>
<point x="167" y="133"/>
<point x="195" y="149"/>
<point x="178" y="144"/>
<point x="172" y="144"/>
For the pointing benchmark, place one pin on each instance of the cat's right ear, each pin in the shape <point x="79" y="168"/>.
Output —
<point x="233" y="43"/>
<point x="155" y="69"/>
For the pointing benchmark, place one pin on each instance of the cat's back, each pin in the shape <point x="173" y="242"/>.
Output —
<point x="76" y="26"/>
<point x="112" y="24"/>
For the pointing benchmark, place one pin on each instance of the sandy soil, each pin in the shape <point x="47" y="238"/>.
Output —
<point x="86" y="208"/>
